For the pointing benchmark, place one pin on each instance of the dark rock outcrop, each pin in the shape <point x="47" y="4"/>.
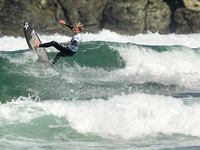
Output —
<point x="125" y="17"/>
<point x="122" y="16"/>
<point x="158" y="16"/>
<point x="188" y="21"/>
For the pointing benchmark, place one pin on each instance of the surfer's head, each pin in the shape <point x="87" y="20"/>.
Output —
<point x="78" y="28"/>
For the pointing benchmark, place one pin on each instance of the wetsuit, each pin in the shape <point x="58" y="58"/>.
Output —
<point x="69" y="50"/>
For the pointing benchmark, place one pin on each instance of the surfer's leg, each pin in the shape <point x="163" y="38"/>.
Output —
<point x="36" y="44"/>
<point x="49" y="44"/>
<point x="68" y="52"/>
<point x="60" y="54"/>
<point x="62" y="48"/>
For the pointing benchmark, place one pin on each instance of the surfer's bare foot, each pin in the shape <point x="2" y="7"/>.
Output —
<point x="36" y="44"/>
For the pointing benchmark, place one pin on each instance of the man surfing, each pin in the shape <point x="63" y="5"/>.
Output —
<point x="73" y="45"/>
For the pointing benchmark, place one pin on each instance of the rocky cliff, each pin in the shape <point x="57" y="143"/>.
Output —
<point x="122" y="16"/>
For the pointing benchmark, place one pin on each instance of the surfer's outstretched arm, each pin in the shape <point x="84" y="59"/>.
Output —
<point x="64" y="23"/>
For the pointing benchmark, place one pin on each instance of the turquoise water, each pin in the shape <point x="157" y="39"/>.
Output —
<point x="117" y="92"/>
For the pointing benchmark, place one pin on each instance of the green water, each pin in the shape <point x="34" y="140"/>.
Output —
<point x="109" y="95"/>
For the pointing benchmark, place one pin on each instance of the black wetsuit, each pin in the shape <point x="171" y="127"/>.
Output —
<point x="64" y="50"/>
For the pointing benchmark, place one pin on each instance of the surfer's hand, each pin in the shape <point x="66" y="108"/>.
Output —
<point x="62" y="22"/>
<point x="69" y="42"/>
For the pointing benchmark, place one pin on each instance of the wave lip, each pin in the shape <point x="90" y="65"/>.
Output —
<point x="10" y="43"/>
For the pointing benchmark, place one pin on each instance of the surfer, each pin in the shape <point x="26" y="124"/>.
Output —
<point x="73" y="45"/>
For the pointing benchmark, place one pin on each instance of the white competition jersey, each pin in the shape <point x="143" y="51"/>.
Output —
<point x="77" y="38"/>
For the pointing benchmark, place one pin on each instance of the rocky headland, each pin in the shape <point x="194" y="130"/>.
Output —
<point x="123" y="16"/>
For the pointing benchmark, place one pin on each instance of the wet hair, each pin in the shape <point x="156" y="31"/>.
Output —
<point x="79" y="26"/>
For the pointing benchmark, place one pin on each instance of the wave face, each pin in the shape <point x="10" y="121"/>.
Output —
<point x="117" y="91"/>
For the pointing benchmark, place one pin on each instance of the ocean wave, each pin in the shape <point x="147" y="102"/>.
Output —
<point x="121" y="116"/>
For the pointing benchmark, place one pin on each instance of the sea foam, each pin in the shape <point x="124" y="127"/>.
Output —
<point x="121" y="116"/>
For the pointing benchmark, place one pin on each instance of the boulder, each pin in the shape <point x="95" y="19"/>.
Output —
<point x="188" y="21"/>
<point x="125" y="16"/>
<point x="2" y="4"/>
<point x="192" y="4"/>
<point x="158" y="16"/>
<point x="88" y="12"/>
<point x="42" y="15"/>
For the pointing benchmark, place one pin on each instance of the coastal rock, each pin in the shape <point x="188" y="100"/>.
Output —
<point x="125" y="17"/>
<point x="122" y="16"/>
<point x="158" y="16"/>
<point x="138" y="17"/>
<point x="88" y="12"/>
<point x="2" y="4"/>
<point x="188" y="21"/>
<point x="42" y="15"/>
<point x="192" y="4"/>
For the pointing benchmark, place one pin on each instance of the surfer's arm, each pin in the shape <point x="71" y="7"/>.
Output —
<point x="64" y="23"/>
<point x="73" y="43"/>
<point x="69" y="26"/>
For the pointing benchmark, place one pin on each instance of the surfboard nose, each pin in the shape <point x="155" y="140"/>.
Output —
<point x="26" y="25"/>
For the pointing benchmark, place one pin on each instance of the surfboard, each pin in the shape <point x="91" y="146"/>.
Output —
<point x="31" y="36"/>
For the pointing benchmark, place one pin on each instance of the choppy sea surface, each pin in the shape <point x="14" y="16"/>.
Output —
<point x="117" y="92"/>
